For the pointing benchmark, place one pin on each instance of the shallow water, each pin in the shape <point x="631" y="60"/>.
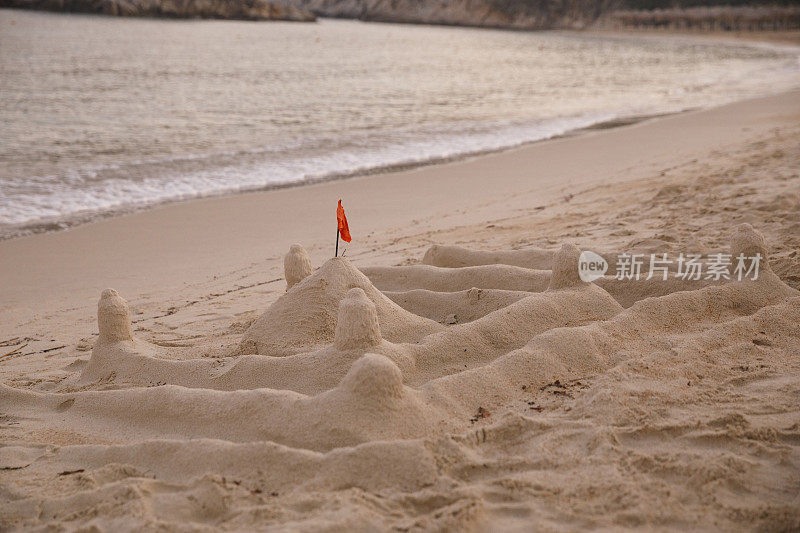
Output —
<point x="106" y="114"/>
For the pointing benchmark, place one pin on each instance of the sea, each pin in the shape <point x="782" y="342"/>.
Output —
<point x="102" y="115"/>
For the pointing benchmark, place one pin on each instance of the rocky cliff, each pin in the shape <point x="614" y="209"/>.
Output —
<point x="569" y="14"/>
<point x="516" y="14"/>
<point x="220" y="9"/>
<point x="512" y="14"/>
<point x="709" y="18"/>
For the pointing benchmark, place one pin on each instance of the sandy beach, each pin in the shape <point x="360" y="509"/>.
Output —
<point x="465" y="391"/>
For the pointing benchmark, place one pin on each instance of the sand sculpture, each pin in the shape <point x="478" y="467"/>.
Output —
<point x="358" y="330"/>
<point x="716" y="311"/>
<point x="357" y="322"/>
<point x="370" y="403"/>
<point x="458" y="257"/>
<point x="455" y="307"/>
<point x="113" y="319"/>
<point x="305" y="317"/>
<point x="115" y="350"/>
<point x="356" y="386"/>
<point x="441" y="279"/>
<point x="296" y="265"/>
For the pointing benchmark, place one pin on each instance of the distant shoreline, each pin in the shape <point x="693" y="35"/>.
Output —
<point x="255" y="10"/>
<point x="59" y="224"/>
<point x="767" y="37"/>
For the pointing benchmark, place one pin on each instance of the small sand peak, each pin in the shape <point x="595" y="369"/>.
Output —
<point x="357" y="323"/>
<point x="113" y="318"/>
<point x="748" y="241"/>
<point x="565" y="267"/>
<point x="338" y="268"/>
<point x="340" y="273"/>
<point x="296" y="265"/>
<point x="474" y="295"/>
<point x="433" y="255"/>
<point x="373" y="377"/>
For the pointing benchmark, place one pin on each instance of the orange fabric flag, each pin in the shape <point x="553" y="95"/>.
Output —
<point x="341" y="221"/>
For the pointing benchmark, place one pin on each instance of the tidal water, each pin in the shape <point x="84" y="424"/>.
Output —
<point x="104" y="115"/>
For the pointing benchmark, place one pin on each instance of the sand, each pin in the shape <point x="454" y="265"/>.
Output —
<point x="451" y="371"/>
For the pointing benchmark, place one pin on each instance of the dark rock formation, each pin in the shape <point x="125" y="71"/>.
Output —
<point x="516" y="14"/>
<point x="213" y="9"/>
<point x="513" y="14"/>
<point x="716" y="18"/>
<point x="568" y="14"/>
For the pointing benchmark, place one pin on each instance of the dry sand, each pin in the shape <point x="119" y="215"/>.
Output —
<point x="451" y="372"/>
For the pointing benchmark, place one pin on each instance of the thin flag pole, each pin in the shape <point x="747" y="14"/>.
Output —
<point x="337" y="242"/>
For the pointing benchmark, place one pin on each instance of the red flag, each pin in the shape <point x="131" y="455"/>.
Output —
<point x="341" y="221"/>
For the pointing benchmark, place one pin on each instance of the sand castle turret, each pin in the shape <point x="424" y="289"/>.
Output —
<point x="113" y="318"/>
<point x="565" y="267"/>
<point x="748" y="241"/>
<point x="296" y="265"/>
<point x="357" y="323"/>
<point x="375" y="378"/>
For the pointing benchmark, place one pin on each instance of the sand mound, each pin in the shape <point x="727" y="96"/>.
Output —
<point x="305" y="317"/>
<point x="476" y="343"/>
<point x="455" y="307"/>
<point x="567" y="353"/>
<point x="370" y="403"/>
<point x="745" y="240"/>
<point x="532" y="258"/>
<point x="374" y="378"/>
<point x="469" y="305"/>
<point x="629" y="291"/>
<point x="296" y="265"/>
<point x="458" y="257"/>
<point x="504" y="277"/>
<point x="116" y="349"/>
<point x="625" y="291"/>
<point x="749" y="242"/>
<point x="357" y="323"/>
<point x="565" y="268"/>
<point x="563" y="355"/>
<point x="113" y="319"/>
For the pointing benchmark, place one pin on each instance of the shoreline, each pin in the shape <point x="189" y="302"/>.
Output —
<point x="183" y="244"/>
<point x="786" y="37"/>
<point x="58" y="224"/>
